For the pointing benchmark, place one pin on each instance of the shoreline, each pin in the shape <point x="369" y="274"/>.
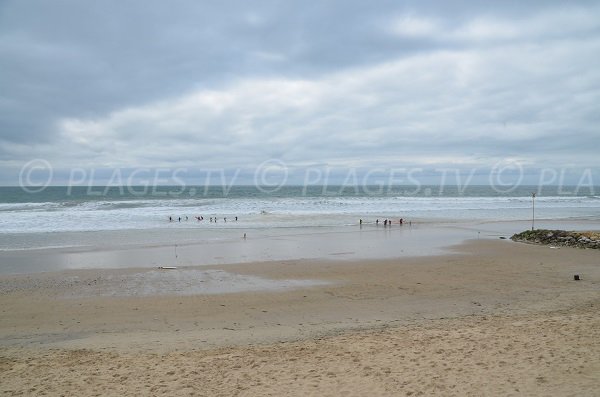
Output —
<point x="368" y="242"/>
<point x="116" y="249"/>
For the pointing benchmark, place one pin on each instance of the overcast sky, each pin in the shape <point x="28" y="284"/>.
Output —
<point x="210" y="84"/>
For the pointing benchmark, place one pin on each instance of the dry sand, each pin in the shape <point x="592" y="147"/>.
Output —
<point x="496" y="318"/>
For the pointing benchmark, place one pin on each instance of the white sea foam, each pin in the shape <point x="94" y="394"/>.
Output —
<point x="268" y="212"/>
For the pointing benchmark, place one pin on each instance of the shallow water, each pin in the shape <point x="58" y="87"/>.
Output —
<point x="126" y="249"/>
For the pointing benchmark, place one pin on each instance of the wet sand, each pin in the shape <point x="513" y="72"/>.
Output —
<point x="121" y="249"/>
<point x="197" y="247"/>
<point x="491" y="318"/>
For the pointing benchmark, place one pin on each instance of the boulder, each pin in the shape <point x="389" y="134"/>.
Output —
<point x="560" y="237"/>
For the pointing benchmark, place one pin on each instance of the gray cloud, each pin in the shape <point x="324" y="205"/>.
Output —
<point x="234" y="83"/>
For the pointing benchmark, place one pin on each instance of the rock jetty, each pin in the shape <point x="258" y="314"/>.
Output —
<point x="561" y="238"/>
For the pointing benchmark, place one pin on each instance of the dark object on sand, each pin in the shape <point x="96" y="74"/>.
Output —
<point x="502" y="238"/>
<point x="576" y="277"/>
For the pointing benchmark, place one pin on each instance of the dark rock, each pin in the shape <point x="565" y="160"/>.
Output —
<point x="560" y="237"/>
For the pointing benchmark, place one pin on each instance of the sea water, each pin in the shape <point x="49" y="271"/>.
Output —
<point x="68" y="216"/>
<point x="122" y="227"/>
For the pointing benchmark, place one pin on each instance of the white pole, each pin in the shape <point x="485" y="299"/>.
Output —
<point x="532" y="211"/>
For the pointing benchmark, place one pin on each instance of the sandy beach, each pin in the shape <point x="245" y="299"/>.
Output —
<point x="492" y="317"/>
<point x="208" y="198"/>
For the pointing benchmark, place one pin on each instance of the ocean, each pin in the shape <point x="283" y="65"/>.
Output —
<point x="127" y="226"/>
<point x="63" y="209"/>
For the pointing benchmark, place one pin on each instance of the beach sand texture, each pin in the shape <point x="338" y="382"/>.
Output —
<point x="496" y="318"/>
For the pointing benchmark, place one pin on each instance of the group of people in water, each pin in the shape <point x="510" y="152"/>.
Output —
<point x="199" y="218"/>
<point x="387" y="222"/>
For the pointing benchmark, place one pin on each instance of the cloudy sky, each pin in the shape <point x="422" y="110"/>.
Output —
<point x="208" y="85"/>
